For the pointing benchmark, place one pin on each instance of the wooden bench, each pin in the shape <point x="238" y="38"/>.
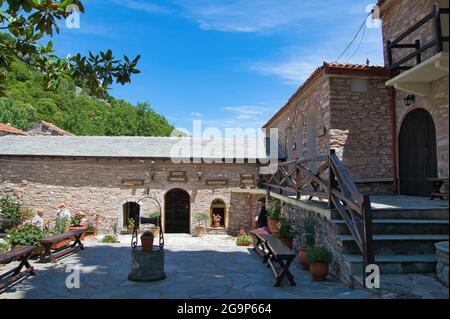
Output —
<point x="437" y="185"/>
<point x="21" y="254"/>
<point x="273" y="251"/>
<point x="52" y="254"/>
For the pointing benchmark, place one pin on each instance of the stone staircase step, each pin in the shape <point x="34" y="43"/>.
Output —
<point x="403" y="213"/>
<point x="401" y="226"/>
<point x="396" y="244"/>
<point x="396" y="264"/>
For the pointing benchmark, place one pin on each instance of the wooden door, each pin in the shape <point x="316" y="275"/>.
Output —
<point x="417" y="153"/>
<point x="177" y="211"/>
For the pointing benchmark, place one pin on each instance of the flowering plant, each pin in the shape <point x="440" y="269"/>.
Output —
<point x="91" y="226"/>
<point x="217" y="218"/>
<point x="76" y="219"/>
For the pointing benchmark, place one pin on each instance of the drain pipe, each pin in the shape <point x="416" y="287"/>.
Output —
<point x="394" y="141"/>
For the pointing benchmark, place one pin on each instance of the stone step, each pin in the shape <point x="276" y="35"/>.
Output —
<point x="396" y="264"/>
<point x="392" y="213"/>
<point x="401" y="226"/>
<point x="395" y="244"/>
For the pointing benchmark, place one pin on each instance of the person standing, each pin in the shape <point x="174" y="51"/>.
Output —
<point x="38" y="220"/>
<point x="62" y="211"/>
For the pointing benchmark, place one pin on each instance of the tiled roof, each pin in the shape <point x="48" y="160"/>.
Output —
<point x="52" y="127"/>
<point x="333" y="68"/>
<point x="11" y="130"/>
<point x="136" y="147"/>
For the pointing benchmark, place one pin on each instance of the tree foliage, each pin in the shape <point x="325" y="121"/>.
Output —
<point x="73" y="109"/>
<point x="29" y="21"/>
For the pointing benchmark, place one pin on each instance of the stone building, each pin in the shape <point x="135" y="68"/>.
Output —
<point x="45" y="128"/>
<point x="344" y="107"/>
<point x="415" y="36"/>
<point x="109" y="175"/>
<point x="7" y="129"/>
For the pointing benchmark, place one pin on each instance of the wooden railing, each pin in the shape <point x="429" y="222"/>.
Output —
<point x="330" y="180"/>
<point x="437" y="41"/>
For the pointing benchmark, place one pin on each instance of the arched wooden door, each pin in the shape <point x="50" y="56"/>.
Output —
<point x="417" y="153"/>
<point x="177" y="211"/>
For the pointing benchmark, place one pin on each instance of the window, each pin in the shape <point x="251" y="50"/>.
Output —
<point x="359" y="85"/>
<point x="218" y="213"/>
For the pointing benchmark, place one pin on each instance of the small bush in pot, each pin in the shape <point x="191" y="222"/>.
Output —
<point x="308" y="231"/>
<point x="274" y="215"/>
<point x="244" y="240"/>
<point x="25" y="235"/>
<point x="319" y="259"/>
<point x="201" y="219"/>
<point x="286" y="232"/>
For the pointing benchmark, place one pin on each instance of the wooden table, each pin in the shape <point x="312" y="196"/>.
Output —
<point x="21" y="254"/>
<point x="273" y="251"/>
<point x="53" y="254"/>
<point x="437" y="185"/>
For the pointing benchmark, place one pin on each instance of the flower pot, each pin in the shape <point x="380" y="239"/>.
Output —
<point x="241" y="230"/>
<point x="287" y="241"/>
<point x="273" y="225"/>
<point x="61" y="244"/>
<point x="155" y="231"/>
<point x="319" y="271"/>
<point x="78" y="228"/>
<point x="147" y="242"/>
<point x="302" y="258"/>
<point x="216" y="225"/>
<point x="199" y="231"/>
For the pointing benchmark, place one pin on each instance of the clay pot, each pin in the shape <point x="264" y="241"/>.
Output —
<point x="302" y="258"/>
<point x="287" y="241"/>
<point x="216" y="225"/>
<point x="241" y="230"/>
<point x="147" y="242"/>
<point x="78" y="228"/>
<point x="155" y="231"/>
<point x="199" y="231"/>
<point x="319" y="271"/>
<point x="273" y="225"/>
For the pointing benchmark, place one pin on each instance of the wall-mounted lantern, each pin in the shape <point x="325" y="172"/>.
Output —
<point x="409" y="100"/>
<point x="200" y="175"/>
<point x="152" y="170"/>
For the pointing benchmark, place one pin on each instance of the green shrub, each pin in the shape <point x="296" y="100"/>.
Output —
<point x="61" y="225"/>
<point x="201" y="218"/>
<point x="4" y="246"/>
<point x="274" y="211"/>
<point x="10" y="209"/>
<point x="319" y="254"/>
<point x="244" y="239"/>
<point x="109" y="239"/>
<point x="25" y="235"/>
<point x="155" y="214"/>
<point x="308" y="229"/>
<point x="285" y="229"/>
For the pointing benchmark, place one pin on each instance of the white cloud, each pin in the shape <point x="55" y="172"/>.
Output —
<point x="293" y="71"/>
<point x="142" y="6"/>
<point x="245" y="112"/>
<point x="196" y="114"/>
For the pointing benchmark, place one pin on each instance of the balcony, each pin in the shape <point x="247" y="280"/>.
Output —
<point x="414" y="73"/>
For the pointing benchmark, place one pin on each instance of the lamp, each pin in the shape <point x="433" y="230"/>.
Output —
<point x="199" y="175"/>
<point x="410" y="99"/>
<point x="152" y="170"/>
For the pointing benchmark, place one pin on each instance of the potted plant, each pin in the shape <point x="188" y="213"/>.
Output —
<point x="274" y="215"/>
<point x="217" y="218"/>
<point x="91" y="228"/>
<point x="244" y="240"/>
<point x="319" y="259"/>
<point x="147" y="240"/>
<point x="201" y="218"/>
<point x="286" y="233"/>
<point x="130" y="225"/>
<point x="25" y="235"/>
<point x="309" y="234"/>
<point x="154" y="228"/>
<point x="62" y="224"/>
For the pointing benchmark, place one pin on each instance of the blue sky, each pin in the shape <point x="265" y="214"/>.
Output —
<point x="230" y="63"/>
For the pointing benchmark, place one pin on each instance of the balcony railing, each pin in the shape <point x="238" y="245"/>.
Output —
<point x="435" y="17"/>
<point x="330" y="180"/>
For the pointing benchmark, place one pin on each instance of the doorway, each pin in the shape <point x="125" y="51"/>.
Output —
<point x="177" y="211"/>
<point x="417" y="153"/>
<point x="130" y="211"/>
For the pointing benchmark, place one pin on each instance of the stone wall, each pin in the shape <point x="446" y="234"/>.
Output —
<point x="326" y="235"/>
<point x="442" y="262"/>
<point x="94" y="185"/>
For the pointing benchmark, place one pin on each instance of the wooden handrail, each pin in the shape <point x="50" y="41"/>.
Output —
<point x="331" y="181"/>
<point x="437" y="40"/>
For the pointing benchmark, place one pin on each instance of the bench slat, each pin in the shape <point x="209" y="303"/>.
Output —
<point x="56" y="238"/>
<point x="14" y="254"/>
<point x="278" y="248"/>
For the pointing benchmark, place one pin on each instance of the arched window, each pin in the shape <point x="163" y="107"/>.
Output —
<point x="218" y="213"/>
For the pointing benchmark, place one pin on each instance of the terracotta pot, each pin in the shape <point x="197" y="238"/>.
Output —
<point x="302" y="258"/>
<point x="61" y="244"/>
<point x="287" y="241"/>
<point x="78" y="228"/>
<point x="241" y="230"/>
<point x="273" y="225"/>
<point x="216" y="225"/>
<point x="199" y="231"/>
<point x="319" y="271"/>
<point x="147" y="242"/>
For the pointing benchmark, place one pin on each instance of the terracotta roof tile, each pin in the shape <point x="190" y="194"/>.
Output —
<point x="52" y="127"/>
<point x="11" y="130"/>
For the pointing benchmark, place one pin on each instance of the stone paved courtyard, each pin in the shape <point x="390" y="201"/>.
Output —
<point x="206" y="268"/>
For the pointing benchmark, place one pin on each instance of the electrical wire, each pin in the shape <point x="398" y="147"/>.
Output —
<point x="359" y="46"/>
